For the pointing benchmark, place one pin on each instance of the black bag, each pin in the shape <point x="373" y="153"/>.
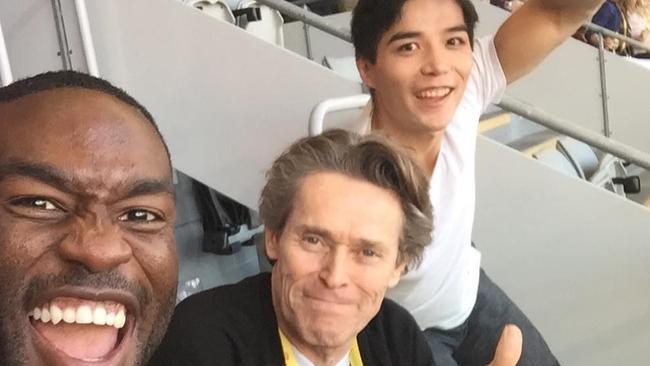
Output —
<point x="222" y="218"/>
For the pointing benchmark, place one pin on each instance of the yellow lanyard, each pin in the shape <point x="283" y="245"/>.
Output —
<point x="290" y="358"/>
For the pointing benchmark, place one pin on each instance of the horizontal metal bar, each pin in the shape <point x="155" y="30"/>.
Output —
<point x="5" y="67"/>
<point x="591" y="138"/>
<point x="612" y="34"/>
<point x="308" y="17"/>
<point x="319" y="22"/>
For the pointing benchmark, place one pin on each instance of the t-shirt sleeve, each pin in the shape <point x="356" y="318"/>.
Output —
<point x="487" y="80"/>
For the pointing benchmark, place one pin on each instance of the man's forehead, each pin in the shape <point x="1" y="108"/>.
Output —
<point x="85" y="136"/>
<point x="73" y="100"/>
<point x="339" y="205"/>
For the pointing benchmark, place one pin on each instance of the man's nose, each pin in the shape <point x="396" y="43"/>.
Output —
<point x="435" y="61"/>
<point x="96" y="243"/>
<point x="335" y="270"/>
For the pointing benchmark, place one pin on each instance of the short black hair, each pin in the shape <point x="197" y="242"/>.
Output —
<point x="73" y="79"/>
<point x="372" y="18"/>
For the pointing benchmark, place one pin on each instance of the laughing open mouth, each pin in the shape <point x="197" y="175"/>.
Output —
<point x="83" y="330"/>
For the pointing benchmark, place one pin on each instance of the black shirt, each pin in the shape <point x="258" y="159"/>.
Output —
<point x="236" y="325"/>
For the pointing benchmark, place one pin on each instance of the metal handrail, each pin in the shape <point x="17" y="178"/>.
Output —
<point x="620" y="37"/>
<point x="508" y="103"/>
<point x="5" y="68"/>
<point x="591" y="138"/>
<point x="564" y="127"/>
<point x="317" y="115"/>
<point x="307" y="17"/>
<point x="319" y="22"/>
<point x="87" y="37"/>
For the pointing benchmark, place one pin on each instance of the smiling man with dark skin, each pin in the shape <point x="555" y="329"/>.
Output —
<point x="87" y="213"/>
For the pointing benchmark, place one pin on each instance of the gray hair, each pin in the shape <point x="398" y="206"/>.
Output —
<point x="371" y="158"/>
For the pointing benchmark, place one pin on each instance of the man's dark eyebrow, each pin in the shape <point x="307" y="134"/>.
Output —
<point x="54" y="177"/>
<point x="403" y="35"/>
<point x="150" y="186"/>
<point x="414" y="34"/>
<point x="458" y="28"/>
<point x="44" y="173"/>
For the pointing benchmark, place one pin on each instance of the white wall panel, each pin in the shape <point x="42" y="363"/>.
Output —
<point x="573" y="256"/>
<point x="226" y="102"/>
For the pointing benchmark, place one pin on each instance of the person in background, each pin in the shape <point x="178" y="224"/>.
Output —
<point x="430" y="81"/>
<point x="345" y="216"/>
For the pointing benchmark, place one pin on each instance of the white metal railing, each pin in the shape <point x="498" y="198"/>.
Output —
<point x="317" y="116"/>
<point x="5" y="67"/>
<point x="601" y="142"/>
<point x="508" y="103"/>
<point x="87" y="37"/>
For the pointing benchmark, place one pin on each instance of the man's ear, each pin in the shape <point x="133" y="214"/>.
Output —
<point x="271" y="244"/>
<point x="396" y="275"/>
<point x="365" y="68"/>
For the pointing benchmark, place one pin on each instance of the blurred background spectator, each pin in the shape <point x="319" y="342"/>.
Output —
<point x="638" y="19"/>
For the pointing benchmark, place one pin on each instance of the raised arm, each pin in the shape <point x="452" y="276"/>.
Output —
<point x="533" y="31"/>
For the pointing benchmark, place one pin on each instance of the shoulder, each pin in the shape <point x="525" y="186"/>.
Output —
<point x="222" y="322"/>
<point x="247" y="292"/>
<point x="392" y="316"/>
<point x="393" y="337"/>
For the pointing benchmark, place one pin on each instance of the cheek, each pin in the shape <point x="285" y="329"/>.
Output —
<point x="157" y="258"/>
<point x="22" y="244"/>
<point x="374" y="283"/>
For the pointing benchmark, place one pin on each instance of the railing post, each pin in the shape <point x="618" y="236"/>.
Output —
<point x="62" y="36"/>
<point x="603" y="85"/>
<point x="87" y="37"/>
<point x="5" y="68"/>
<point x="305" y="28"/>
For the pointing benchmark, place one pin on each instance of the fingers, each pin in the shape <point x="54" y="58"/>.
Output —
<point x="508" y="349"/>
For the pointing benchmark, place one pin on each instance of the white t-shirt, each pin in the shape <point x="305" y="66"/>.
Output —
<point x="441" y="293"/>
<point x="301" y="360"/>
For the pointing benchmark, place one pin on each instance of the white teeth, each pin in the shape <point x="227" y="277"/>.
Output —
<point x="45" y="315"/>
<point x="110" y="319"/>
<point x="84" y="315"/>
<point x="434" y="93"/>
<point x="69" y="315"/>
<point x="99" y="315"/>
<point x="56" y="313"/>
<point x="120" y="319"/>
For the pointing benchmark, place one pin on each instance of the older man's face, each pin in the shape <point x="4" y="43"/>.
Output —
<point x="86" y="231"/>
<point x="336" y="257"/>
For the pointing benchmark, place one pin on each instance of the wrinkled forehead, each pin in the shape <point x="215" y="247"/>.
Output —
<point x="92" y="138"/>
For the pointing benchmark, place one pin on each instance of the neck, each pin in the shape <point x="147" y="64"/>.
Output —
<point x="318" y="355"/>
<point x="424" y="145"/>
